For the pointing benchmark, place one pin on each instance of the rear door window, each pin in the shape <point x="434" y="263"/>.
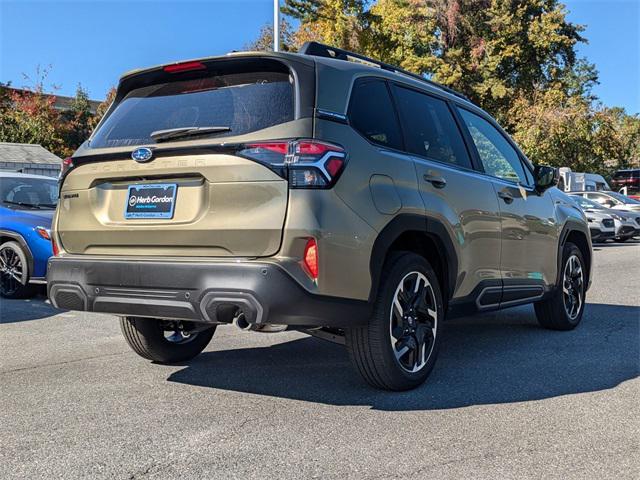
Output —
<point x="371" y="113"/>
<point x="429" y="128"/>
<point x="242" y="101"/>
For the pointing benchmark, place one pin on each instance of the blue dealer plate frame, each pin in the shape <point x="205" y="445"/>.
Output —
<point x="156" y="200"/>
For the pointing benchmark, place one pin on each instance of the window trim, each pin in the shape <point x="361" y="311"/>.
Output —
<point x="395" y="85"/>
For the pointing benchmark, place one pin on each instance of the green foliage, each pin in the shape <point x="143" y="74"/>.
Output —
<point x="77" y="122"/>
<point x="516" y="59"/>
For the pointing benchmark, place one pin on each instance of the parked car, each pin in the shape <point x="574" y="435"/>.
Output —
<point x="626" y="224"/>
<point x="613" y="200"/>
<point x="629" y="180"/>
<point x="27" y="204"/>
<point x="307" y="191"/>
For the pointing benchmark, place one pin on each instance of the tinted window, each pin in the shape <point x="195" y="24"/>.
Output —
<point x="243" y="101"/>
<point x="498" y="157"/>
<point x="429" y="127"/>
<point x="371" y="113"/>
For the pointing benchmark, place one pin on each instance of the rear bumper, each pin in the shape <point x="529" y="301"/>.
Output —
<point x="197" y="291"/>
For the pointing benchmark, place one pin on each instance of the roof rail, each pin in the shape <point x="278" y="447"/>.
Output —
<point x="317" y="49"/>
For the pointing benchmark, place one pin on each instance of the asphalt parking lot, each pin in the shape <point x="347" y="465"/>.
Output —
<point x="506" y="400"/>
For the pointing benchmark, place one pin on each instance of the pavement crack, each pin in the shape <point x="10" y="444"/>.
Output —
<point x="67" y="362"/>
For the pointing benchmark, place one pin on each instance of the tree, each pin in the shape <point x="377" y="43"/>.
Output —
<point x="103" y="107"/>
<point x="516" y="59"/>
<point x="77" y="122"/>
<point x="29" y="116"/>
<point x="264" y="42"/>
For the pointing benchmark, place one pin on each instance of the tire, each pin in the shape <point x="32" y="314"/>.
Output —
<point x="373" y="347"/>
<point x="622" y="239"/>
<point x="146" y="337"/>
<point x="14" y="272"/>
<point x="554" y="312"/>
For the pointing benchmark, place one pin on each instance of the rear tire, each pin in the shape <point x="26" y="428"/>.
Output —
<point x="564" y="309"/>
<point x="148" y="338"/>
<point x="407" y="317"/>
<point x="14" y="272"/>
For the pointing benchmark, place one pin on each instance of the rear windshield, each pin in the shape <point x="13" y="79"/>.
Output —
<point x="244" y="102"/>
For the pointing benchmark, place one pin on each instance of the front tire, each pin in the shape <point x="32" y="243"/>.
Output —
<point x="564" y="309"/>
<point x="398" y="348"/>
<point x="14" y="272"/>
<point x="165" y="341"/>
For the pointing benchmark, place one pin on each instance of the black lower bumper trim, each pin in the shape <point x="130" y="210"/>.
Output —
<point x="197" y="291"/>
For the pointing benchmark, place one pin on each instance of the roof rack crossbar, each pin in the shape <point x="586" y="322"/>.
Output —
<point x="317" y="49"/>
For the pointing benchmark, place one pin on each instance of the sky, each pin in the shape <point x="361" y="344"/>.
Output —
<point x="93" y="42"/>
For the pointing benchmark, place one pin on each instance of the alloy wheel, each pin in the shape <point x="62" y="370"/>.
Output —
<point x="413" y="322"/>
<point x="573" y="287"/>
<point x="12" y="271"/>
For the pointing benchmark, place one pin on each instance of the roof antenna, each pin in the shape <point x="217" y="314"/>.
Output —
<point x="276" y="25"/>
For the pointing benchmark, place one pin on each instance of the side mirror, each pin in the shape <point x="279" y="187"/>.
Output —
<point x="545" y="177"/>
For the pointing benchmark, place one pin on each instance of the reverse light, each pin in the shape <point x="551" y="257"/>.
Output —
<point x="306" y="163"/>
<point x="43" y="232"/>
<point x="310" y="259"/>
<point x="184" y="67"/>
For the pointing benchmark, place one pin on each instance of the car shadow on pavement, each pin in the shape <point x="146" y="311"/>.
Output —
<point x="13" y="311"/>
<point x="491" y="358"/>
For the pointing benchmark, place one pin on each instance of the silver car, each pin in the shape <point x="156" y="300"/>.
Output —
<point x="626" y="224"/>
<point x="613" y="200"/>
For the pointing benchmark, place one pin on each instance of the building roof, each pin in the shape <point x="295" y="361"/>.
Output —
<point x="61" y="103"/>
<point x="27" y="153"/>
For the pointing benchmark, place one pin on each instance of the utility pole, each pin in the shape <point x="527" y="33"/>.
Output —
<point x="276" y="25"/>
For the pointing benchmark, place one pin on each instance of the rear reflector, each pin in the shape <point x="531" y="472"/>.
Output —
<point x="310" y="260"/>
<point x="184" y="67"/>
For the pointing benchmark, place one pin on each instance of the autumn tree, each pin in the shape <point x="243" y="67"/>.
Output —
<point x="516" y="59"/>
<point x="29" y="116"/>
<point x="77" y="121"/>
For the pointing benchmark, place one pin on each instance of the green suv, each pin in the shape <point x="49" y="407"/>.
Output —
<point x="322" y="191"/>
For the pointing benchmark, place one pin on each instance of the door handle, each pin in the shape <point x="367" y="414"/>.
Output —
<point x="506" y="196"/>
<point x="435" y="180"/>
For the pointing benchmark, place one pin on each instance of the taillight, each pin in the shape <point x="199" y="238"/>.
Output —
<point x="67" y="164"/>
<point x="310" y="259"/>
<point x="54" y="246"/>
<point x="306" y="163"/>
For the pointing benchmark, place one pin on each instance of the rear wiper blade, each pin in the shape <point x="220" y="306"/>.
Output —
<point x="172" y="133"/>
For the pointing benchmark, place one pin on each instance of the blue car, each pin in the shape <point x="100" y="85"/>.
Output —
<point x="27" y="205"/>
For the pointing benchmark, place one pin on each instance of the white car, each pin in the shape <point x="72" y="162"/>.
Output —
<point x="614" y="200"/>
<point x="626" y="224"/>
<point x="601" y="226"/>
